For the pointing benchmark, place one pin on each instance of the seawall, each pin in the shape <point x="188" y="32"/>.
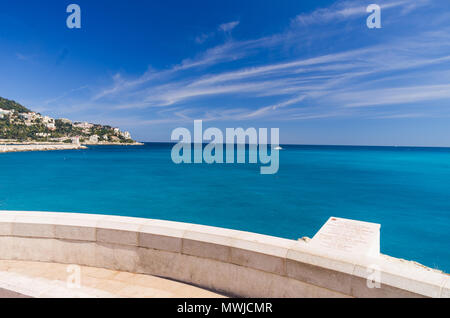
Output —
<point x="36" y="147"/>
<point x="227" y="261"/>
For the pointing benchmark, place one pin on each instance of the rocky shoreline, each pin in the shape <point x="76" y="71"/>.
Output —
<point x="105" y="143"/>
<point x="46" y="146"/>
<point x="35" y="147"/>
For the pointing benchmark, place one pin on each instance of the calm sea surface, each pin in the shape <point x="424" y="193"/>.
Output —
<point x="407" y="190"/>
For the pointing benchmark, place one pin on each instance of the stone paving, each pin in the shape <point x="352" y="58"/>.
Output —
<point x="49" y="280"/>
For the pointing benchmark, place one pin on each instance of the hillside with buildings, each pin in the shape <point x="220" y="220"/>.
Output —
<point x="19" y="124"/>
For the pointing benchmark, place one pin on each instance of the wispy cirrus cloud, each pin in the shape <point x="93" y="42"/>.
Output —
<point x="227" y="27"/>
<point x="337" y="82"/>
<point x="394" y="96"/>
<point x="223" y="28"/>
<point x="310" y="78"/>
<point x="23" y="57"/>
<point x="345" y="10"/>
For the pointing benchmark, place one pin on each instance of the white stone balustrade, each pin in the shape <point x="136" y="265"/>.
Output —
<point x="227" y="261"/>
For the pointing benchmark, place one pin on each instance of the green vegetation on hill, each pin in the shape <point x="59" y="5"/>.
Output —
<point x="65" y="129"/>
<point x="25" y="125"/>
<point x="7" y="104"/>
<point x="19" y="132"/>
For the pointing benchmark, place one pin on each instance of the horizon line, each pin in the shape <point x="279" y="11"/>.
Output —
<point x="316" y="145"/>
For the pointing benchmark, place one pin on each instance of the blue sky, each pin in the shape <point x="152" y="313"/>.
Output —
<point x="311" y="68"/>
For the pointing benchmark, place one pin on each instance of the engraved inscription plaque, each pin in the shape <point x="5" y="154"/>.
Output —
<point x="349" y="236"/>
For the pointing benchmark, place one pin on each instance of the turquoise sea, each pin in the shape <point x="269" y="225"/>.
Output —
<point x="407" y="190"/>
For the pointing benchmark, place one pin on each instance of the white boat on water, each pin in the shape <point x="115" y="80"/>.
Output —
<point x="278" y="148"/>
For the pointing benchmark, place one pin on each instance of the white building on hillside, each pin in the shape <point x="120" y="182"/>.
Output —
<point x="43" y="135"/>
<point x="5" y="112"/>
<point x="127" y="135"/>
<point x="93" y="139"/>
<point x="83" y="125"/>
<point x="48" y="120"/>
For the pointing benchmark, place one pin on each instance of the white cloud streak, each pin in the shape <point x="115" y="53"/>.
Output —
<point x="227" y="27"/>
<point x="308" y="87"/>
<point x="345" y="10"/>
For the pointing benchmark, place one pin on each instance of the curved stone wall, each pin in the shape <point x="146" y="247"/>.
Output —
<point x="232" y="262"/>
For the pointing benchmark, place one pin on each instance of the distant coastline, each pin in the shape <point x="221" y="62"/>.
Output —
<point x="49" y="146"/>
<point x="19" y="125"/>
